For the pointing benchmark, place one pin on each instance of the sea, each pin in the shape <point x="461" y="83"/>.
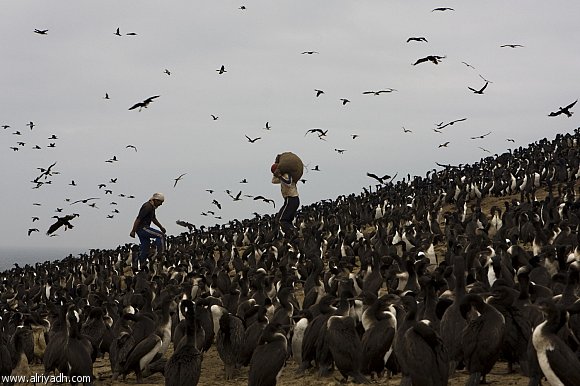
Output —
<point x="22" y="256"/>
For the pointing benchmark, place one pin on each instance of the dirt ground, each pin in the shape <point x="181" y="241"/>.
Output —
<point x="212" y="374"/>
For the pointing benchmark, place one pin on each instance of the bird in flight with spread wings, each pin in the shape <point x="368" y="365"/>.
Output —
<point x="480" y="91"/>
<point x="430" y="58"/>
<point x="267" y="200"/>
<point x="61" y="221"/>
<point x="564" y="110"/>
<point x="481" y="136"/>
<point x="145" y="103"/>
<point x="380" y="179"/>
<point x="178" y="179"/>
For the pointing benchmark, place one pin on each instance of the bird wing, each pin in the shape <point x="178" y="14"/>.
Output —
<point x="484" y="86"/>
<point x="562" y="363"/>
<point x="55" y="226"/>
<point x="140" y="104"/>
<point x="420" y="60"/>
<point x="571" y="105"/>
<point x="372" y="175"/>
<point x="472" y="89"/>
<point x="150" y="99"/>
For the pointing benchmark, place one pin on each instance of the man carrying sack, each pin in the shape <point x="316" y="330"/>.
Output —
<point x="287" y="171"/>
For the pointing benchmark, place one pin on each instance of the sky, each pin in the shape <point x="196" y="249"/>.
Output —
<point x="59" y="80"/>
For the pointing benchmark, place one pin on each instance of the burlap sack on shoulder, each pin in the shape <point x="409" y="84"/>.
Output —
<point x="290" y="163"/>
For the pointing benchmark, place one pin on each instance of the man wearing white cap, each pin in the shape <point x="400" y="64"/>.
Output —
<point x="142" y="226"/>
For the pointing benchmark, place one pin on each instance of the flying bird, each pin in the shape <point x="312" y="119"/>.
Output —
<point x="339" y="151"/>
<point x="244" y="181"/>
<point x="5" y="126"/>
<point x="214" y="117"/>
<point x="267" y="200"/>
<point x="321" y="133"/>
<point x="354" y="136"/>
<point x="441" y="126"/>
<point x="510" y="140"/>
<point x="407" y="130"/>
<point x="30" y="124"/>
<point x="318" y="92"/>
<point x="430" y="58"/>
<point x="237" y="196"/>
<point x="416" y="39"/>
<point x="564" y="110"/>
<point x="186" y="224"/>
<point x="131" y="33"/>
<point x="480" y="91"/>
<point x="485" y="150"/>
<point x="131" y="147"/>
<point x="267" y="127"/>
<point x="511" y="45"/>
<point x="84" y="201"/>
<point x="378" y="92"/>
<point x="35" y="218"/>
<point x="380" y="179"/>
<point x="41" y="31"/>
<point x="344" y="101"/>
<point x="117" y="32"/>
<point x="442" y="9"/>
<point x="468" y="65"/>
<point x="61" y="221"/>
<point x="481" y="136"/>
<point x="444" y="144"/>
<point x="486" y="80"/>
<point x="167" y="72"/>
<point x="178" y="179"/>
<point x="144" y="104"/>
<point x="216" y="203"/>
<point x="221" y="70"/>
<point x="310" y="52"/>
<point x="315" y="168"/>
<point x="30" y="230"/>
<point x="252" y="140"/>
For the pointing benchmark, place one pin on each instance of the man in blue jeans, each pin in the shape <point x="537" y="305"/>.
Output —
<point x="142" y="226"/>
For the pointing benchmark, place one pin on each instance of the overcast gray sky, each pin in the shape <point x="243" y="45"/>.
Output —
<point x="59" y="80"/>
